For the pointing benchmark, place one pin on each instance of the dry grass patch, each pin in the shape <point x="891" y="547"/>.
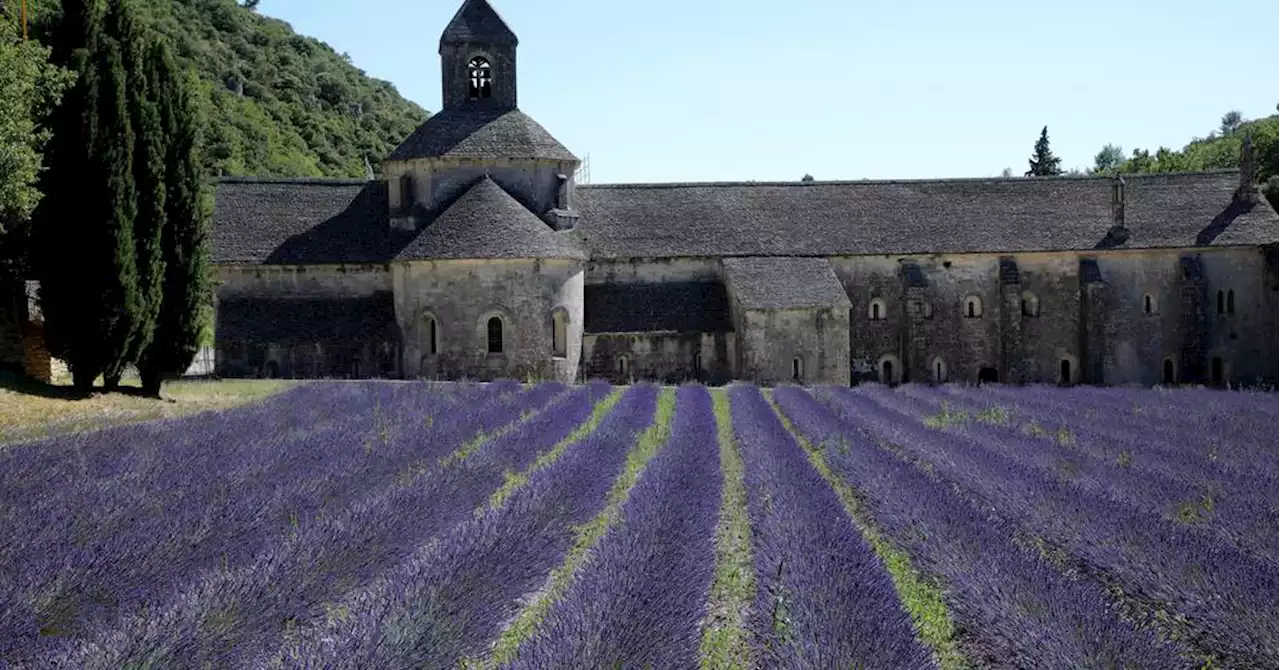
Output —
<point x="31" y="411"/>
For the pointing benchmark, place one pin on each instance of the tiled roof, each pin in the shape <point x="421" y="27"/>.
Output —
<point x="333" y="221"/>
<point x="299" y="320"/>
<point x="682" y="307"/>
<point x="914" y="217"/>
<point x="784" y="283"/>
<point x="486" y="222"/>
<point x="477" y="22"/>
<point x="481" y="132"/>
<point x="299" y="221"/>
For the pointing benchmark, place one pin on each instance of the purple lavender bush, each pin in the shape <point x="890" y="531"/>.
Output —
<point x="286" y="585"/>
<point x="1015" y="609"/>
<point x="453" y="597"/>
<point x="823" y="599"/>
<point x="639" y="600"/>
<point x="1225" y="595"/>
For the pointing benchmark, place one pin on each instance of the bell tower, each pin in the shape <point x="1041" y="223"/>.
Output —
<point x="478" y="60"/>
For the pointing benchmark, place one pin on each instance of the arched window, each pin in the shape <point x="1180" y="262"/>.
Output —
<point x="624" y="366"/>
<point x="939" y="370"/>
<point x="877" y="310"/>
<point x="406" y="193"/>
<point x="479" y="79"/>
<point x="1222" y="303"/>
<point x="430" y="335"/>
<point x="494" y="330"/>
<point x="973" y="307"/>
<point x="697" y="363"/>
<point x="1170" y="372"/>
<point x="797" y="369"/>
<point x="559" y="333"/>
<point x="889" y="369"/>
<point x="1231" y="301"/>
<point x="1148" y="304"/>
<point x="926" y="308"/>
<point x="1030" y="304"/>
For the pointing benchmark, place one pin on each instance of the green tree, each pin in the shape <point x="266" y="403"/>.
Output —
<point x="1043" y="163"/>
<point x="187" y="286"/>
<point x="1108" y="160"/>
<point x="1230" y="122"/>
<point x="84" y="226"/>
<point x="148" y="172"/>
<point x="30" y="87"/>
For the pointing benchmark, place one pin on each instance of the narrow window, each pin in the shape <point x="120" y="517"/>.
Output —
<point x="972" y="307"/>
<point x="559" y="335"/>
<point x="495" y="335"/>
<point x="1148" y="305"/>
<point x="697" y="363"/>
<point x="1030" y="304"/>
<point x="406" y="193"/>
<point x="624" y="366"/>
<point x="797" y="369"/>
<point x="479" y="79"/>
<point x="1215" y="370"/>
<point x="877" y="311"/>
<point x="429" y="328"/>
<point x="927" y="307"/>
<point x="1231" y="301"/>
<point x="1170" y="376"/>
<point x="939" y="370"/>
<point x="1222" y="303"/>
<point x="1064" y="372"/>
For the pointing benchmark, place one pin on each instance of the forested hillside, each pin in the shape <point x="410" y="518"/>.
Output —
<point x="275" y="102"/>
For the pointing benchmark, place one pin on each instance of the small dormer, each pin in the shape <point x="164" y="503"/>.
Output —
<point x="478" y="59"/>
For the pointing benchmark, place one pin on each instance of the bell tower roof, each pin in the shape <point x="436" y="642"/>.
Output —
<point x="478" y="23"/>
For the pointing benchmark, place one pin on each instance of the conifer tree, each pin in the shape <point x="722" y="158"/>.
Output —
<point x="148" y="172"/>
<point x="1044" y="163"/>
<point x="185" y="235"/>
<point x="113" y="206"/>
<point x="67" y="234"/>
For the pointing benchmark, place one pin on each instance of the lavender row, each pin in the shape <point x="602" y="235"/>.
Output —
<point x="140" y="564"/>
<point x="453" y="598"/>
<point x="1244" y="520"/>
<point x="1226" y="596"/>
<point x="290" y="584"/>
<point x="823" y="599"/>
<point x="1244" y="445"/>
<point x="1015" y="609"/>
<point x="638" y="601"/>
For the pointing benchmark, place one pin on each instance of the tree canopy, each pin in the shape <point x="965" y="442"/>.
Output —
<point x="277" y="103"/>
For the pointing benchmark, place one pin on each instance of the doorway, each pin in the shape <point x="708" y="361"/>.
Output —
<point x="886" y="372"/>
<point x="988" y="376"/>
<point x="1064" y="372"/>
<point x="1169" y="376"/>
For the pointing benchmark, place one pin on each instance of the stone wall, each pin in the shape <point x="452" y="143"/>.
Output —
<point x="461" y="296"/>
<point x="13" y="317"/>
<point x="301" y="281"/>
<point x="773" y="343"/>
<point x="667" y="357"/>
<point x="641" y="270"/>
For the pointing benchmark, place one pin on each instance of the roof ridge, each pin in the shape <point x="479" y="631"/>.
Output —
<point x="319" y="181"/>
<point x="880" y="182"/>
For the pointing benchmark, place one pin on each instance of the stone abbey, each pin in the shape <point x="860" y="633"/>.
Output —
<point x="476" y="255"/>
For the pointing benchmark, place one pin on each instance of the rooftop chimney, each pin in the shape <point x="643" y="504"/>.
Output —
<point x="1248" y="170"/>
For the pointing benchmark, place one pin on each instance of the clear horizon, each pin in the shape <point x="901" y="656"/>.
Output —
<point x="671" y="92"/>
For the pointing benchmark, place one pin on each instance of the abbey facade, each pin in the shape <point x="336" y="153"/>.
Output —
<point x="478" y="256"/>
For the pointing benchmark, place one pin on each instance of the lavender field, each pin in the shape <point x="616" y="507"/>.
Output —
<point x="505" y="525"/>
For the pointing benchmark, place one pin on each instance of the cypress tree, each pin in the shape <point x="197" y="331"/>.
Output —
<point x="148" y="172"/>
<point x="185" y="235"/>
<point x="1044" y="163"/>
<point x="66" y="229"/>
<point x="113" y="195"/>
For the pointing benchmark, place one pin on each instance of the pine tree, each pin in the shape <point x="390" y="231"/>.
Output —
<point x="148" y="172"/>
<point x="185" y="236"/>
<point x="1044" y="163"/>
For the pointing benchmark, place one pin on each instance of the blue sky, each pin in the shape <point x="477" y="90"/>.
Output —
<point x="730" y="90"/>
